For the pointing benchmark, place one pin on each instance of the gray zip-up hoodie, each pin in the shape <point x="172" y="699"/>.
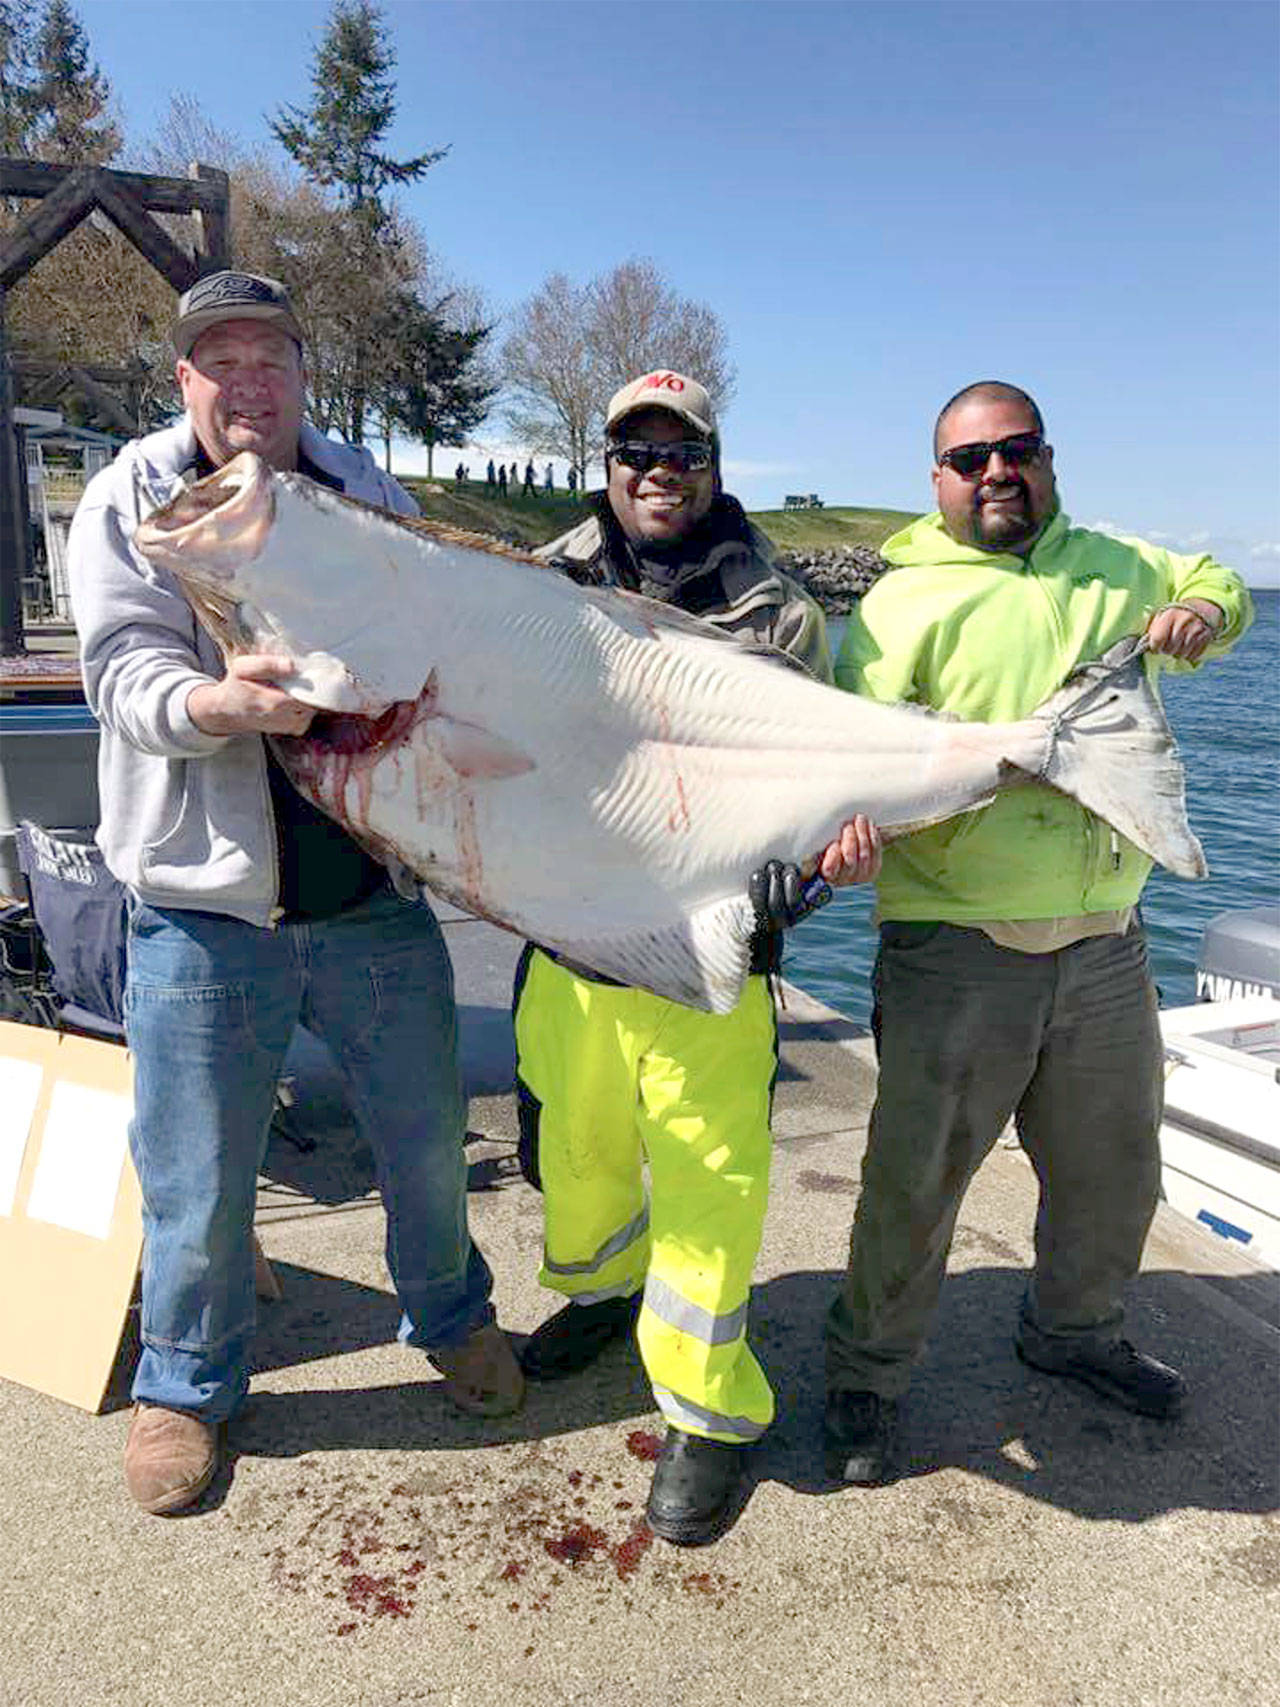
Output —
<point x="186" y="817"/>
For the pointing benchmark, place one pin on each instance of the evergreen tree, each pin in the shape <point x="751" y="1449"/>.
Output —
<point x="17" y="40"/>
<point x="335" y="140"/>
<point x="69" y="94"/>
<point x="434" y="382"/>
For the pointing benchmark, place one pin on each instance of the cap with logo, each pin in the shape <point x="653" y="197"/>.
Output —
<point x="232" y="296"/>
<point x="663" y="389"/>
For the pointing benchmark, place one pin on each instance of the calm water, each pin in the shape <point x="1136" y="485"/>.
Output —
<point x="1227" y="721"/>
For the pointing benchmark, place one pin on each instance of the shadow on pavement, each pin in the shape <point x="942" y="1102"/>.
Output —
<point x="415" y="1414"/>
<point x="973" y="1405"/>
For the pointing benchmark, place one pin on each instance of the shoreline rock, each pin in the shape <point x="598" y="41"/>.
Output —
<point x="837" y="576"/>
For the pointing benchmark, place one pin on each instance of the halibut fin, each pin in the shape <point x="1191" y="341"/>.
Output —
<point x="1113" y="750"/>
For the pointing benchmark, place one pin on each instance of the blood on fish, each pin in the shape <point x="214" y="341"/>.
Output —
<point x="680" y="820"/>
<point x="347" y="734"/>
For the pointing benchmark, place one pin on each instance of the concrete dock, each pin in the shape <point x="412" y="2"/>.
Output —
<point x="368" y="1545"/>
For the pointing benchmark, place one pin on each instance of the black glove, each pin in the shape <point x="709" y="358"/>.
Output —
<point x="781" y="897"/>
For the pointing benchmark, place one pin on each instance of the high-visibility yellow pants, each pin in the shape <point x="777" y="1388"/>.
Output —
<point x="616" y="1077"/>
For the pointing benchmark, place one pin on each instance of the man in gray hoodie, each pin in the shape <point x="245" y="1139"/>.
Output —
<point x="249" y="913"/>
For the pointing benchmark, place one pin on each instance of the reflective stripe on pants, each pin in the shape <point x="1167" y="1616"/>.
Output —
<point x="624" y="1077"/>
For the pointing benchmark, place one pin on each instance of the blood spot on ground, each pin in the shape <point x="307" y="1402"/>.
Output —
<point x="628" y="1554"/>
<point x="578" y="1543"/>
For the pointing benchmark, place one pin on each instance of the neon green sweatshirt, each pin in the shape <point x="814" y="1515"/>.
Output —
<point x="988" y="636"/>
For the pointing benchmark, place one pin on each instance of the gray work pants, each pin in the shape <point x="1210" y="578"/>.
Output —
<point x="971" y="1033"/>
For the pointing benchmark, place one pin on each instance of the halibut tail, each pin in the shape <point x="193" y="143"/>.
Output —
<point x="1112" y="749"/>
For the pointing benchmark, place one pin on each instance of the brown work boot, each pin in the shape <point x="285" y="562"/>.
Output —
<point x="170" y="1458"/>
<point x="482" y="1375"/>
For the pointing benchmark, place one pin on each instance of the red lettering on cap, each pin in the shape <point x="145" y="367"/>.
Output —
<point x="662" y="382"/>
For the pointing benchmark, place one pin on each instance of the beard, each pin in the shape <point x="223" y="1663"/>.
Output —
<point x="1007" y="525"/>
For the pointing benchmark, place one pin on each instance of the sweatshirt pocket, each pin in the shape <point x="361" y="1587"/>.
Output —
<point x="217" y="838"/>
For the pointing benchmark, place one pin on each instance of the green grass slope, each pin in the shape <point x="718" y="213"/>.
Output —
<point x="533" y="521"/>
<point x="830" y="528"/>
<point x="527" y="521"/>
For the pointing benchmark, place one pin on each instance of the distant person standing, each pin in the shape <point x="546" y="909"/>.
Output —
<point x="572" y="481"/>
<point x="491" y="477"/>
<point x="549" y="481"/>
<point x="1012" y="975"/>
<point x="459" y="475"/>
<point x="502" y="479"/>
<point x="530" y="489"/>
<point x="515" y="476"/>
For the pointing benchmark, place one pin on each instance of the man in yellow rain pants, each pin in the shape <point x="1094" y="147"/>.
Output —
<point x="611" y="1078"/>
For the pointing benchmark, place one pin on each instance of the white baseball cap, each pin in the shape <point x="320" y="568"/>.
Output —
<point x="663" y="389"/>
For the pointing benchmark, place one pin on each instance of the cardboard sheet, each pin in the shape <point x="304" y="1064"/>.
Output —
<point x="70" y="1211"/>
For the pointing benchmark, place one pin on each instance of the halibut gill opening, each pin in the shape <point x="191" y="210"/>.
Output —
<point x="347" y="734"/>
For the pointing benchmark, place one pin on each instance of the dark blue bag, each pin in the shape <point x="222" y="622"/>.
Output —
<point x="79" y="909"/>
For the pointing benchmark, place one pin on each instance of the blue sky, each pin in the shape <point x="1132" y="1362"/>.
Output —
<point x="882" y="203"/>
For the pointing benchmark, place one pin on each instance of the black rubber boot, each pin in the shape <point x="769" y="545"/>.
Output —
<point x="693" y="1489"/>
<point x="574" y="1337"/>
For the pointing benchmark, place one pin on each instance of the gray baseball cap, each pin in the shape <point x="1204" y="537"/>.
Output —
<point x="232" y="296"/>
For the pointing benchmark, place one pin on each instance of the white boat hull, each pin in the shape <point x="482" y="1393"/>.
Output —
<point x="1220" y="1136"/>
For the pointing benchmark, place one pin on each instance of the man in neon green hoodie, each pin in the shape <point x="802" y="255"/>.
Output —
<point x="1012" y="974"/>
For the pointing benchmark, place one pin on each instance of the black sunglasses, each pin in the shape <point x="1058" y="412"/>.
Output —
<point x="970" y="460"/>
<point x="686" y="456"/>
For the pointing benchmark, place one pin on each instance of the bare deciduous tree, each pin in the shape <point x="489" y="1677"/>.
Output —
<point x="553" y="387"/>
<point x="637" y="321"/>
<point x="572" y="346"/>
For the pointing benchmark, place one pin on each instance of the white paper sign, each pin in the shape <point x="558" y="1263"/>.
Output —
<point x="19" y="1093"/>
<point x="86" y="1136"/>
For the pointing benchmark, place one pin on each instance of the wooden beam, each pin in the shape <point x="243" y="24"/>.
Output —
<point x="213" y="220"/>
<point x="78" y="193"/>
<point x="15" y="536"/>
<point x="103" y="401"/>
<point x="162" y="195"/>
<point x="31" y="367"/>
<point x="60" y="211"/>
<point x="146" y="234"/>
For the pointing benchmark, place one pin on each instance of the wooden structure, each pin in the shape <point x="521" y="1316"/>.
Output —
<point x="67" y="195"/>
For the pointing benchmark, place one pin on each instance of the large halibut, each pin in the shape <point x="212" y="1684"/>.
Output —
<point x="595" y="771"/>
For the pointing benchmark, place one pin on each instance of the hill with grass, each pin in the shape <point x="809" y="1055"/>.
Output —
<point x="470" y="504"/>
<point x="833" y="551"/>
<point x="837" y="528"/>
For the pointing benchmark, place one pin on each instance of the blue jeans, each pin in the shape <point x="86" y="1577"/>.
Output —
<point x="210" y="1006"/>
